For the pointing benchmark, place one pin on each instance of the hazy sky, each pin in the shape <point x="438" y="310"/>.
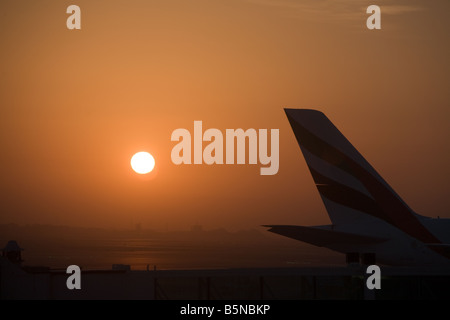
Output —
<point x="75" y="105"/>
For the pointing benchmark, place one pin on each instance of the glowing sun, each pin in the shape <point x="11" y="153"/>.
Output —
<point x="142" y="162"/>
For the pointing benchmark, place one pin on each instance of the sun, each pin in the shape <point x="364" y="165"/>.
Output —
<point x="142" y="162"/>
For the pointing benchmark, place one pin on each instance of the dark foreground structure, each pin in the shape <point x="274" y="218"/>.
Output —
<point x="349" y="282"/>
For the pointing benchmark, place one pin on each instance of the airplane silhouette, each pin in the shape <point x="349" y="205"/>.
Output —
<point x="370" y="222"/>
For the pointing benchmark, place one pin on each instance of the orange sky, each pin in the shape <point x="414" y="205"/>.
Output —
<point x="76" y="105"/>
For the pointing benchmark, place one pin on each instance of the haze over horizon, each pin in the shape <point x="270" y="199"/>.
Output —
<point x="76" y="105"/>
<point x="95" y="248"/>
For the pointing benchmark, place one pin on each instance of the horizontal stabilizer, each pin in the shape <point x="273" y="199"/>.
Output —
<point x="321" y="237"/>
<point x="441" y="248"/>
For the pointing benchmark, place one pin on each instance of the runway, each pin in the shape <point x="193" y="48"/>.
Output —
<point x="317" y="283"/>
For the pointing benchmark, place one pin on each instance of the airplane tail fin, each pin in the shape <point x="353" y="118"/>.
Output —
<point x="348" y="185"/>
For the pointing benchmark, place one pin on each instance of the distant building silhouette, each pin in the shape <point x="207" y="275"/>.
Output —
<point x="12" y="252"/>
